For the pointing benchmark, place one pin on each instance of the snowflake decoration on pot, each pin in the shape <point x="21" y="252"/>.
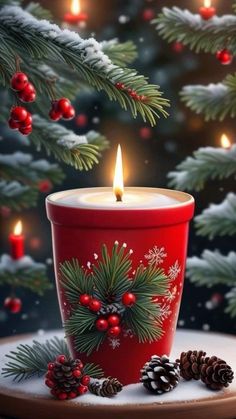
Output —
<point x="114" y="343"/>
<point x="156" y="255"/>
<point x="174" y="270"/>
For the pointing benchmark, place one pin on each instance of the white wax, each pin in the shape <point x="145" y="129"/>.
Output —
<point x="133" y="198"/>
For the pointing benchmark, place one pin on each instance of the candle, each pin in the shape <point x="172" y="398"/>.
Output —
<point x="16" y="240"/>
<point x="225" y="142"/>
<point x="76" y="15"/>
<point x="151" y="224"/>
<point x="207" y="11"/>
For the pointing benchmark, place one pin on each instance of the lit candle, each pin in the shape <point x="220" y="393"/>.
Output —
<point x="207" y="11"/>
<point x="76" y="15"/>
<point x="225" y="142"/>
<point x="16" y="240"/>
<point x="151" y="224"/>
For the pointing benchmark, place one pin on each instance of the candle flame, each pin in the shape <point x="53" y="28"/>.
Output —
<point x="225" y="142"/>
<point x="75" y="7"/>
<point x="207" y="3"/>
<point x="118" y="182"/>
<point x="18" y="228"/>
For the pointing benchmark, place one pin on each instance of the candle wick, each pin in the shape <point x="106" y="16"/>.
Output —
<point x="118" y="197"/>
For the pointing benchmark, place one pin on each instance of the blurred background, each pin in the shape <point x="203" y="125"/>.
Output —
<point x="149" y="154"/>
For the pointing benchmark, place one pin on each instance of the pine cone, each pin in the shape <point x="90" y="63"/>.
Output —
<point x="216" y="373"/>
<point x="105" y="388"/>
<point x="66" y="379"/>
<point x="160" y="375"/>
<point x="114" y="308"/>
<point x="190" y="364"/>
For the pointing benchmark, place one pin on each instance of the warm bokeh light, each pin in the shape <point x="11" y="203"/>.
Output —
<point x="75" y="7"/>
<point x="225" y="142"/>
<point x="207" y="3"/>
<point x="18" y="228"/>
<point x="118" y="182"/>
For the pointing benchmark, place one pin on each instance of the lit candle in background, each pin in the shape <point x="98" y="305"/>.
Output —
<point x="118" y="182"/>
<point x="16" y="240"/>
<point x="75" y="16"/>
<point x="207" y="11"/>
<point x="225" y="142"/>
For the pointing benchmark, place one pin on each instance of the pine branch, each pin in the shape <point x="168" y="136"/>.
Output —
<point x="218" y="220"/>
<point x="36" y="10"/>
<point x="28" y="361"/>
<point x="16" y="196"/>
<point x="206" y="163"/>
<point x="215" y="101"/>
<point x="149" y="281"/>
<point x="200" y="35"/>
<point x="212" y="269"/>
<point x="234" y="6"/>
<point x="24" y="272"/>
<point x="40" y="40"/>
<point x="88" y="342"/>
<point x="75" y="280"/>
<point x="231" y="308"/>
<point x="120" y="54"/>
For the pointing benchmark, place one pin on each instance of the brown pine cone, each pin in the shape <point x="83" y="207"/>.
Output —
<point x="160" y="375"/>
<point x="190" y="364"/>
<point x="216" y="373"/>
<point x="107" y="387"/>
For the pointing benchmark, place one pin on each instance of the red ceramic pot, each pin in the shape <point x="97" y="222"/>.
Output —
<point x="154" y="235"/>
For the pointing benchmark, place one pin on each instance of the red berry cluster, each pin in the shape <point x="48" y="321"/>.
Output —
<point x="111" y="325"/>
<point x="61" y="108"/>
<point x="80" y="381"/>
<point x="20" y="119"/>
<point x="26" y="90"/>
<point x="92" y="303"/>
<point x="132" y="93"/>
<point x="13" y="304"/>
<point x="224" y="56"/>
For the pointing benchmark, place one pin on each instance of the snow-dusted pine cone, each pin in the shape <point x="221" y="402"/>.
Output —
<point x="160" y="375"/>
<point x="216" y="373"/>
<point x="190" y="364"/>
<point x="114" y="308"/>
<point x="106" y="387"/>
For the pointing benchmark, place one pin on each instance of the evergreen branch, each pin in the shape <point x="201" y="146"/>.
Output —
<point x="75" y="280"/>
<point x="215" y="101"/>
<point x="120" y="54"/>
<point x="231" y="297"/>
<point x="218" y="220"/>
<point x="88" y="342"/>
<point x="16" y="196"/>
<point x="22" y="167"/>
<point x="206" y="163"/>
<point x="81" y="321"/>
<point x="28" y="37"/>
<point x="212" y="269"/>
<point x="36" y="10"/>
<point x="234" y="6"/>
<point x="24" y="272"/>
<point x="191" y="30"/>
<point x="93" y="370"/>
<point x="149" y="281"/>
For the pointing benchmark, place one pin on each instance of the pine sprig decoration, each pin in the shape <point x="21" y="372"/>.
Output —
<point x="28" y="361"/>
<point x="109" y="284"/>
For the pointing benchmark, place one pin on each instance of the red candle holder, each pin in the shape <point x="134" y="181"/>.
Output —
<point x="74" y="19"/>
<point x="156" y="235"/>
<point x="207" y="12"/>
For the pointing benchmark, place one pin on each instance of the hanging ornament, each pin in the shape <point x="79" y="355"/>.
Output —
<point x="224" y="56"/>
<point x="45" y="185"/>
<point x="81" y="120"/>
<point x="13" y="304"/>
<point x="148" y="14"/>
<point x="177" y="47"/>
<point x="207" y="11"/>
<point x="145" y="133"/>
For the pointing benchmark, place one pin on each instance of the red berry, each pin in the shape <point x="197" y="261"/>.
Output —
<point x="82" y="389"/>
<point x="81" y="120"/>
<point x="77" y="373"/>
<point x="28" y="94"/>
<point x="133" y="94"/>
<point x="128" y="299"/>
<point x="177" y="47"/>
<point x="49" y="383"/>
<point x="19" y="81"/>
<point x="62" y="396"/>
<point x="224" y="56"/>
<point x="18" y="113"/>
<point x="54" y="115"/>
<point x="85" y="380"/>
<point x="80" y="365"/>
<point x="13" y="304"/>
<point x="72" y="395"/>
<point x="49" y="375"/>
<point x="45" y="186"/>
<point x="148" y="14"/>
<point x="26" y="130"/>
<point x="69" y="113"/>
<point x="84" y="299"/>
<point x="5" y="211"/>
<point x="61" y="359"/>
<point x="114" y="331"/>
<point x="95" y="305"/>
<point x="113" y="320"/>
<point x="145" y="133"/>
<point x="63" y="105"/>
<point x="13" y="124"/>
<point x="53" y="392"/>
<point x="120" y="86"/>
<point x="27" y="122"/>
<point x="51" y="366"/>
<point x="101" y="325"/>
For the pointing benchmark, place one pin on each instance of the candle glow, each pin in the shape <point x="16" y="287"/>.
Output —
<point x="75" y="7"/>
<point x="207" y="3"/>
<point x="225" y="142"/>
<point x="118" y="182"/>
<point x="18" y="228"/>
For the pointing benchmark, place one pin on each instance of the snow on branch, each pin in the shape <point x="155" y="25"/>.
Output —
<point x="191" y="30"/>
<point x="206" y="163"/>
<point x="17" y="196"/>
<point x="218" y="220"/>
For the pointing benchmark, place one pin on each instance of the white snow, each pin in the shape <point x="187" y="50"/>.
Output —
<point x="26" y="263"/>
<point x="11" y="189"/>
<point x="19" y="160"/>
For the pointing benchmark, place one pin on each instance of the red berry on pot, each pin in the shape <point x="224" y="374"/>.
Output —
<point x="128" y="299"/>
<point x="54" y="115"/>
<point x="85" y="380"/>
<point x="84" y="299"/>
<point x="62" y="396"/>
<point x="45" y="186"/>
<point x="61" y="359"/>
<point x="113" y="320"/>
<point x="101" y="325"/>
<point x="76" y="373"/>
<point x="82" y="389"/>
<point x="18" y="113"/>
<point x="63" y="105"/>
<point x="114" y="331"/>
<point x="13" y="304"/>
<point x="49" y="383"/>
<point x="51" y="366"/>
<point x="28" y="121"/>
<point x="95" y="305"/>
<point x="19" y="81"/>
<point x="26" y="130"/>
<point x="69" y="113"/>
<point x="13" y="124"/>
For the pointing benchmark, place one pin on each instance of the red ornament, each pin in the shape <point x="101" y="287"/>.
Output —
<point x="82" y="389"/>
<point x="19" y="81"/>
<point x="26" y="130"/>
<point x="61" y="359"/>
<point x="113" y="320"/>
<point x="45" y="186"/>
<point x="101" y="325"/>
<point x="84" y="300"/>
<point x="19" y="113"/>
<point x="5" y="211"/>
<point x="145" y="133"/>
<point x="13" y="304"/>
<point x="28" y="94"/>
<point x="224" y="56"/>
<point x="148" y="14"/>
<point x="128" y="299"/>
<point x="77" y="373"/>
<point x="177" y="47"/>
<point x="54" y="115"/>
<point x="85" y="380"/>
<point x="69" y="113"/>
<point x="207" y="12"/>
<point x="81" y="120"/>
<point x="95" y="305"/>
<point x="114" y="331"/>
